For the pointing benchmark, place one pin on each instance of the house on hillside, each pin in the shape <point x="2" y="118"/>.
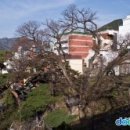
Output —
<point x="116" y="29"/>
<point x="107" y="52"/>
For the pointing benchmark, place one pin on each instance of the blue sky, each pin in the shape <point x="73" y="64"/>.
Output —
<point x="15" y="12"/>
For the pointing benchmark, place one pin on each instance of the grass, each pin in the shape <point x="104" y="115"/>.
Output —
<point x="57" y="117"/>
<point x="37" y="101"/>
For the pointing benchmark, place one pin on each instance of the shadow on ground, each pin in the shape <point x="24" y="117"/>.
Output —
<point x="105" y="121"/>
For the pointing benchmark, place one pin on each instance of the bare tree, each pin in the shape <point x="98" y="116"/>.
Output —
<point x="55" y="31"/>
<point x="69" y="18"/>
<point x="29" y="30"/>
<point x="80" y="20"/>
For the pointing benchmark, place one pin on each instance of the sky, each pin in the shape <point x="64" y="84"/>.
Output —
<point x="14" y="13"/>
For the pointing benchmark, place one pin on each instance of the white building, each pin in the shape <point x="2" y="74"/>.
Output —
<point x="125" y="28"/>
<point x="76" y="46"/>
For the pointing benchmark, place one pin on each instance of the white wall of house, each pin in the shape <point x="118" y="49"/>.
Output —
<point x="4" y="71"/>
<point x="91" y="53"/>
<point x="117" y="70"/>
<point x="76" y="64"/>
<point x="125" y="29"/>
<point x="109" y="56"/>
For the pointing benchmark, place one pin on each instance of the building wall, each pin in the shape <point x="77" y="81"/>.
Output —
<point x="76" y="64"/>
<point x="80" y="44"/>
<point x="123" y="30"/>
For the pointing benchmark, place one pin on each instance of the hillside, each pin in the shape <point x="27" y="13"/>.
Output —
<point x="114" y="25"/>
<point x="6" y="43"/>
